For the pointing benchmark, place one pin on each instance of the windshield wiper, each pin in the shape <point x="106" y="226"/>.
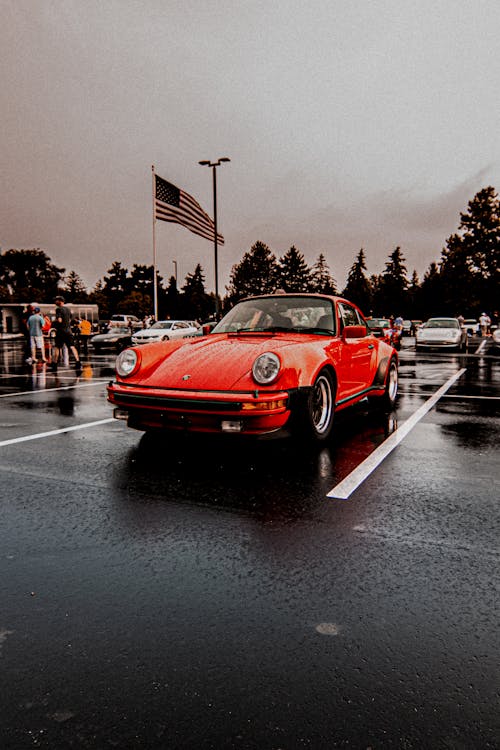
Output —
<point x="328" y="331"/>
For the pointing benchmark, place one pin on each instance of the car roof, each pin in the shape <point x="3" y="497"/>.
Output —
<point x="168" y="320"/>
<point x="284" y="295"/>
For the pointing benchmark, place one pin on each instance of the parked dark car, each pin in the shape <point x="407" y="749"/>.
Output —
<point x="116" y="338"/>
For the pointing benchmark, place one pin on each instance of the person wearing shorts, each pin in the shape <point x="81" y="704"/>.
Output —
<point x="63" y="334"/>
<point x="35" y="324"/>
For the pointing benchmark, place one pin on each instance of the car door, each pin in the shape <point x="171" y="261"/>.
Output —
<point x="359" y="354"/>
<point x="179" y="329"/>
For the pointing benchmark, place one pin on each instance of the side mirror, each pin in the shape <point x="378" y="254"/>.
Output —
<point x="353" y="332"/>
<point x="206" y="329"/>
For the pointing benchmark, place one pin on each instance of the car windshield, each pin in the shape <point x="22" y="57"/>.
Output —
<point x="162" y="324"/>
<point x="441" y="324"/>
<point x="115" y="332"/>
<point x="280" y="313"/>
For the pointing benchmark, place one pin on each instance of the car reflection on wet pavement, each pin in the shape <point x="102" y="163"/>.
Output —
<point x="207" y="594"/>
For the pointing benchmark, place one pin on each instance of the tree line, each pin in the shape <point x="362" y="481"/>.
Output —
<point x="465" y="280"/>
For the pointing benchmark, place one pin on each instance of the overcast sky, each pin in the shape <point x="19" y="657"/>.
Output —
<point x="349" y="124"/>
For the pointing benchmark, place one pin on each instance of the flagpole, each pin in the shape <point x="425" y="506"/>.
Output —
<point x="155" y="283"/>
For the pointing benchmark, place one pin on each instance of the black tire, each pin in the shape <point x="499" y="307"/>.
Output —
<point x="391" y="385"/>
<point x="388" y="399"/>
<point x="315" y="420"/>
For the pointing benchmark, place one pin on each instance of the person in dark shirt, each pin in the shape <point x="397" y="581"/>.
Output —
<point x="64" y="334"/>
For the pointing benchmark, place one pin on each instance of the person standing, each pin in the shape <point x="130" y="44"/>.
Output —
<point x="35" y="325"/>
<point x="26" y="333"/>
<point x="484" y="322"/>
<point x="64" y="334"/>
<point x="85" y="331"/>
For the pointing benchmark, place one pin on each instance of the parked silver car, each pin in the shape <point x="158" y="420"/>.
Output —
<point x="164" y="330"/>
<point x="441" y="333"/>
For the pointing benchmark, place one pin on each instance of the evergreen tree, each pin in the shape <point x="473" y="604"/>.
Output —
<point x="430" y="293"/>
<point x="195" y="302"/>
<point x="322" y="282"/>
<point x="257" y="273"/>
<point x="75" y="290"/>
<point x="460" y="285"/>
<point x="116" y="285"/>
<point x="293" y="272"/>
<point x="135" y="303"/>
<point x="470" y="263"/>
<point x="358" y="288"/>
<point x="394" y="285"/>
<point x="377" y="302"/>
<point x="98" y="297"/>
<point x="413" y="292"/>
<point x="141" y="279"/>
<point x="29" y="275"/>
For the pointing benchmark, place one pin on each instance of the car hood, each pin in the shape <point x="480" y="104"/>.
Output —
<point x="224" y="362"/>
<point x="437" y="334"/>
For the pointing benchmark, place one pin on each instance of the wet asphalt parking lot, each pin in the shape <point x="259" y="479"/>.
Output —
<point x="205" y="594"/>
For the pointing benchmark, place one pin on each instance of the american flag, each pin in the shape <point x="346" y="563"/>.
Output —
<point x="173" y="204"/>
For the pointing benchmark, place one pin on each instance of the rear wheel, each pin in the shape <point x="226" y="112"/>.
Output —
<point x="388" y="398"/>
<point x="391" y="385"/>
<point x="316" y="418"/>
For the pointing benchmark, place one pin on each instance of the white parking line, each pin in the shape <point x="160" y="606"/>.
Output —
<point x="480" y="347"/>
<point x="49" y="390"/>
<point x="50" y="433"/>
<point x="353" y="480"/>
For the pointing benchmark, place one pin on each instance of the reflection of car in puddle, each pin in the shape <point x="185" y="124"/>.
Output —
<point x="355" y="440"/>
<point x="278" y="479"/>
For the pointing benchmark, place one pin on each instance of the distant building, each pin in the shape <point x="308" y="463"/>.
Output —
<point x="11" y="313"/>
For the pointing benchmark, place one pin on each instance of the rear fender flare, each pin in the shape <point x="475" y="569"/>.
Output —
<point x="382" y="369"/>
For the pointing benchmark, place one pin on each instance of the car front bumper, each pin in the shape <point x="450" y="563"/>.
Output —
<point x="252" y="413"/>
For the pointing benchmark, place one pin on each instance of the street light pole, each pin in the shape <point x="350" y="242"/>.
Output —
<point x="214" y="166"/>
<point x="175" y="271"/>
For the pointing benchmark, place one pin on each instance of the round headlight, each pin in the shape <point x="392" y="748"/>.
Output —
<point x="126" y="362"/>
<point x="266" y="368"/>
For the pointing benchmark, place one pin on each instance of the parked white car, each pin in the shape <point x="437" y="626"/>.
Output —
<point x="441" y="333"/>
<point x="164" y="330"/>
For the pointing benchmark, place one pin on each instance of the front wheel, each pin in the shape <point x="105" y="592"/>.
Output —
<point x="316" y="419"/>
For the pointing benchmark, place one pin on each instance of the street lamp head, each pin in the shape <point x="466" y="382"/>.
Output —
<point x="224" y="158"/>
<point x="204" y="163"/>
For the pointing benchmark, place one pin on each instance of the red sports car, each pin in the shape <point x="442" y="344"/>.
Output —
<point x="274" y="362"/>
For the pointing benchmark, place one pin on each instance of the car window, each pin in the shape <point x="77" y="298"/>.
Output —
<point x="349" y="316"/>
<point x="441" y="324"/>
<point x="277" y="313"/>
